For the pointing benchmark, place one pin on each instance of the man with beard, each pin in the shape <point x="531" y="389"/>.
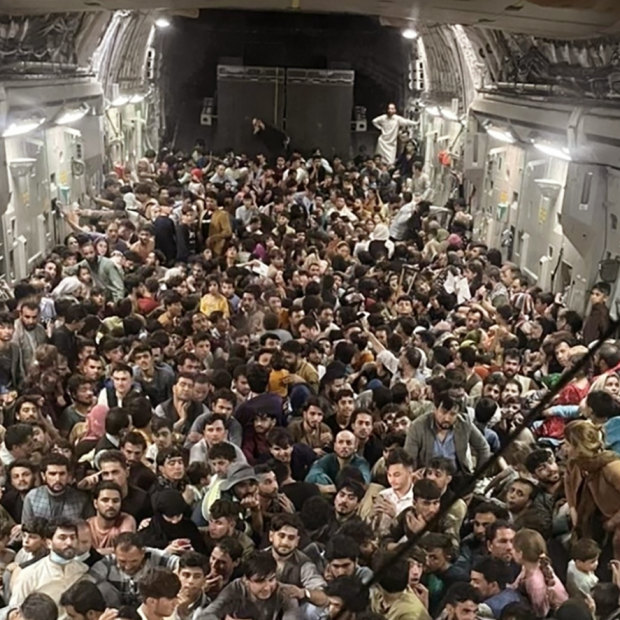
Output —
<point x="82" y="394"/>
<point x="21" y="479"/>
<point x="325" y="470"/>
<point x="55" y="498"/>
<point x="302" y="371"/>
<point x="56" y="572"/>
<point x="297" y="573"/>
<point x="108" y="521"/>
<point x="511" y="368"/>
<point x="29" y="333"/>
<point x="311" y="430"/>
<point x="103" y="270"/>
<point x="443" y="432"/>
<point x="543" y="467"/>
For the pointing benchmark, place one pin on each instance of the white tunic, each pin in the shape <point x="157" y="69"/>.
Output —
<point x="388" y="140"/>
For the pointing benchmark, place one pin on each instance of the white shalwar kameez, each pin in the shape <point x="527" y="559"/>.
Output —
<point x="388" y="140"/>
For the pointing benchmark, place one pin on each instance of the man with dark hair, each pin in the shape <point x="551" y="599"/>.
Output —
<point x="389" y="595"/>
<point x="192" y="573"/>
<point x="113" y="466"/>
<point x="158" y="589"/>
<point x="29" y="333"/>
<point x="82" y="393"/>
<point x="36" y="606"/>
<point x="295" y="569"/>
<point x="302" y="371"/>
<point x="490" y="576"/>
<point x="461" y="602"/>
<point x="257" y="595"/>
<point x="17" y="444"/>
<point x="21" y="479"/>
<point x="346" y="597"/>
<point x="499" y="538"/>
<point x="117" y="575"/>
<point x="54" y="498"/>
<point x="156" y="380"/>
<point x="108" y="521"/>
<point x="181" y="409"/>
<point x="83" y="601"/>
<point x="57" y="571"/>
<point x="104" y="271"/>
<point x="444" y="432"/>
<point x="133" y="447"/>
<point x="259" y="398"/>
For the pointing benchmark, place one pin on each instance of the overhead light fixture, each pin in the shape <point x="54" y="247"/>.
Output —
<point x="560" y="152"/>
<point x="410" y="34"/>
<point x="21" y="127"/>
<point x="503" y="135"/>
<point x="121" y="100"/>
<point x="450" y="115"/>
<point x="136" y="98"/>
<point x="162" y="22"/>
<point x="433" y="110"/>
<point x="68" y="116"/>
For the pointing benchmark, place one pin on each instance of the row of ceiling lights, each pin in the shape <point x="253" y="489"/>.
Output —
<point x="508" y="136"/>
<point x="67" y="116"/>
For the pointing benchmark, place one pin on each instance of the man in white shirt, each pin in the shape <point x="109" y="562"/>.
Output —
<point x="57" y="571"/>
<point x="389" y="124"/>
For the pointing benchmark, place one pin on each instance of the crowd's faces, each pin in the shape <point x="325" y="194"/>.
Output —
<point x="501" y="547"/>
<point x="144" y="361"/>
<point x="56" y="478"/>
<point x="344" y="408"/>
<point x="466" y="610"/>
<point x="346" y="502"/>
<point x="562" y="354"/>
<point x="510" y="391"/>
<point x="84" y="395"/>
<point x="113" y="471"/>
<point x="28" y="412"/>
<point x="219" y="466"/>
<point x="33" y="543"/>
<point x="440" y="477"/>
<point x="404" y="307"/>
<point x="108" y="504"/>
<point x="261" y="588"/>
<point x="92" y="369"/>
<point x="362" y="427"/>
<point x="282" y="453"/>
<point x="313" y="417"/>
<point x="263" y="424"/>
<point x="64" y="543"/>
<point x="22" y="479"/>
<point x="122" y="381"/>
<point x="401" y="423"/>
<point x="129" y="561"/>
<point x="248" y="303"/>
<point x="183" y="389"/>
<point x="173" y="469"/>
<point x="200" y="322"/>
<point x="485" y="588"/>
<point x="416" y="570"/>
<point x="473" y="320"/>
<point x="612" y="385"/>
<point x="41" y="442"/>
<point x="436" y="559"/>
<point x="163" y="438"/>
<point x="223" y="407"/>
<point x="492" y="390"/>
<point x="518" y="497"/>
<point x="400" y="477"/>
<point x="29" y="317"/>
<point x="192" y="580"/>
<point x="480" y="523"/>
<point x="342" y="567"/>
<point x="221" y="563"/>
<point x="345" y="445"/>
<point x="511" y="367"/>
<point x="221" y="527"/>
<point x="134" y="453"/>
<point x="284" y="541"/>
<point x="548" y="472"/>
<point x="190" y="366"/>
<point x="426" y="508"/>
<point x="247" y="488"/>
<point x="444" y="418"/>
<point x="215" y="433"/>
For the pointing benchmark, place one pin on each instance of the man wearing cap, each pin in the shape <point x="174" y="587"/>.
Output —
<point x="324" y="470"/>
<point x="241" y="486"/>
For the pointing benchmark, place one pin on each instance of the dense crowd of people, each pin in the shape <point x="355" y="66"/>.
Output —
<point x="258" y="389"/>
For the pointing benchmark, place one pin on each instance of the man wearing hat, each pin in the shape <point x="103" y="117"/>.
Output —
<point x="241" y="486"/>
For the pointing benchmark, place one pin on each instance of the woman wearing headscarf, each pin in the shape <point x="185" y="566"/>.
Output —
<point x="592" y="484"/>
<point x="171" y="522"/>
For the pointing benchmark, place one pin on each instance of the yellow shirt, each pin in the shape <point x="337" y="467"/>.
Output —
<point x="212" y="303"/>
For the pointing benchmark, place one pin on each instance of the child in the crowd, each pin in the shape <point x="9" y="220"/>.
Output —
<point x="580" y="577"/>
<point x="537" y="581"/>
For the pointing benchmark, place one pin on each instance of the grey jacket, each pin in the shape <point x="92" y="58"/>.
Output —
<point x="107" y="275"/>
<point x="468" y="442"/>
<point x="28" y="341"/>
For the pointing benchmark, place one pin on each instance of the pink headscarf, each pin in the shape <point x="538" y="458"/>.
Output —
<point x="95" y="422"/>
